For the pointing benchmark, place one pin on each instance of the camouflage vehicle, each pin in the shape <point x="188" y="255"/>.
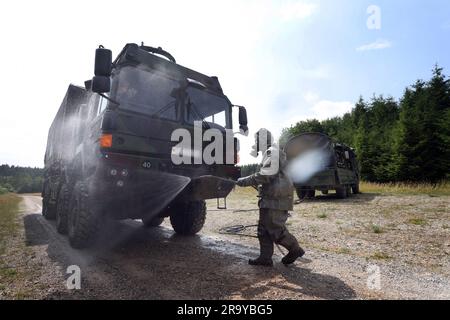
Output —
<point x="339" y="167"/>
<point x="109" y="147"/>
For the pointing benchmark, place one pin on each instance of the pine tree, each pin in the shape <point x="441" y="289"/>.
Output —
<point x="423" y="148"/>
<point x="405" y="141"/>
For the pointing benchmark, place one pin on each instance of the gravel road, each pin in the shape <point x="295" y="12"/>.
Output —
<point x="132" y="262"/>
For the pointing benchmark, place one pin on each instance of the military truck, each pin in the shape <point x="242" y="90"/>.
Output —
<point x="109" y="150"/>
<point x="338" y="165"/>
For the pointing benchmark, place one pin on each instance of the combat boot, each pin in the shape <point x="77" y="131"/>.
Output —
<point x="295" y="251"/>
<point x="266" y="253"/>
<point x="261" y="262"/>
<point x="293" y="255"/>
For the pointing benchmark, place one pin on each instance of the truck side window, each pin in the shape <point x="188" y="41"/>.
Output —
<point x="218" y="118"/>
<point x="207" y="106"/>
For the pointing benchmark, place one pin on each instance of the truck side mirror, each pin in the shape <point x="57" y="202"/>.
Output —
<point x="243" y="121"/>
<point x="103" y="68"/>
<point x="103" y="62"/>
<point x="101" y="84"/>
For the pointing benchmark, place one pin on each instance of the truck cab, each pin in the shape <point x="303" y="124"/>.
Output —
<point x="111" y="148"/>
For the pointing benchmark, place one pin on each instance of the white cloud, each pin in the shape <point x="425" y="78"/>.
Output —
<point x="377" y="45"/>
<point x="297" y="10"/>
<point x="322" y="109"/>
<point x="314" y="107"/>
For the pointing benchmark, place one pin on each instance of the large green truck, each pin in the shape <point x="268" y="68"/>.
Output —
<point x="110" y="147"/>
<point x="338" y="165"/>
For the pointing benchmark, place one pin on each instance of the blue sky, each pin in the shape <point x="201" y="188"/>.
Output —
<point x="416" y="35"/>
<point x="284" y="60"/>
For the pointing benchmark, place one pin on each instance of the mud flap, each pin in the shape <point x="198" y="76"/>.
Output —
<point x="211" y="187"/>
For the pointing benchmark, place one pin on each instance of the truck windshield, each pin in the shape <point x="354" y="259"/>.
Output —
<point x="206" y="106"/>
<point x="146" y="92"/>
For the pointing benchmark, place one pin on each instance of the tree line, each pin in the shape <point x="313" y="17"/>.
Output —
<point x="20" y="179"/>
<point x="404" y="140"/>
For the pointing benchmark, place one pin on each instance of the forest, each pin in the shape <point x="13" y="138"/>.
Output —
<point x="20" y="179"/>
<point x="395" y="141"/>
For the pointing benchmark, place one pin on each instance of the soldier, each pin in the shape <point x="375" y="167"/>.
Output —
<point x="276" y="198"/>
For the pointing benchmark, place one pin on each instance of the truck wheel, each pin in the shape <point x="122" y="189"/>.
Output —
<point x="325" y="192"/>
<point x="301" y="193"/>
<point x="82" y="221"/>
<point x="153" y="222"/>
<point x="310" y="194"/>
<point x="188" y="218"/>
<point x="341" y="192"/>
<point x="62" y="208"/>
<point x="48" y="210"/>
<point x="355" y="188"/>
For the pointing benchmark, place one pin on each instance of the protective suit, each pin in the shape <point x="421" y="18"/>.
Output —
<point x="276" y="198"/>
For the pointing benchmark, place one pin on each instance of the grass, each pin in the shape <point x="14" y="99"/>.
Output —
<point x="8" y="272"/>
<point x="380" y="256"/>
<point x="9" y="205"/>
<point x="248" y="193"/>
<point x="322" y="216"/>
<point x="401" y="188"/>
<point x="344" y="251"/>
<point x="376" y="229"/>
<point x="439" y="189"/>
<point x="417" y="221"/>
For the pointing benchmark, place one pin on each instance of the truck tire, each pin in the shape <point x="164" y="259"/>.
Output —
<point x="82" y="221"/>
<point x="341" y="192"/>
<point x="62" y="209"/>
<point x="153" y="222"/>
<point x="310" y="194"/>
<point x="301" y="193"/>
<point x="355" y="188"/>
<point x="48" y="210"/>
<point x="188" y="218"/>
<point x="324" y="192"/>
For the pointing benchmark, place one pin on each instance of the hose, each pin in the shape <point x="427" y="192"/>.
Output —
<point x="236" y="230"/>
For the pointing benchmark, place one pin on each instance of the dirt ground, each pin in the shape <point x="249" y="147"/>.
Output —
<point x="370" y="246"/>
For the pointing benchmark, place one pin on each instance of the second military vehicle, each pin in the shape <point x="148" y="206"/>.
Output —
<point x="339" y="169"/>
<point x="110" y="147"/>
